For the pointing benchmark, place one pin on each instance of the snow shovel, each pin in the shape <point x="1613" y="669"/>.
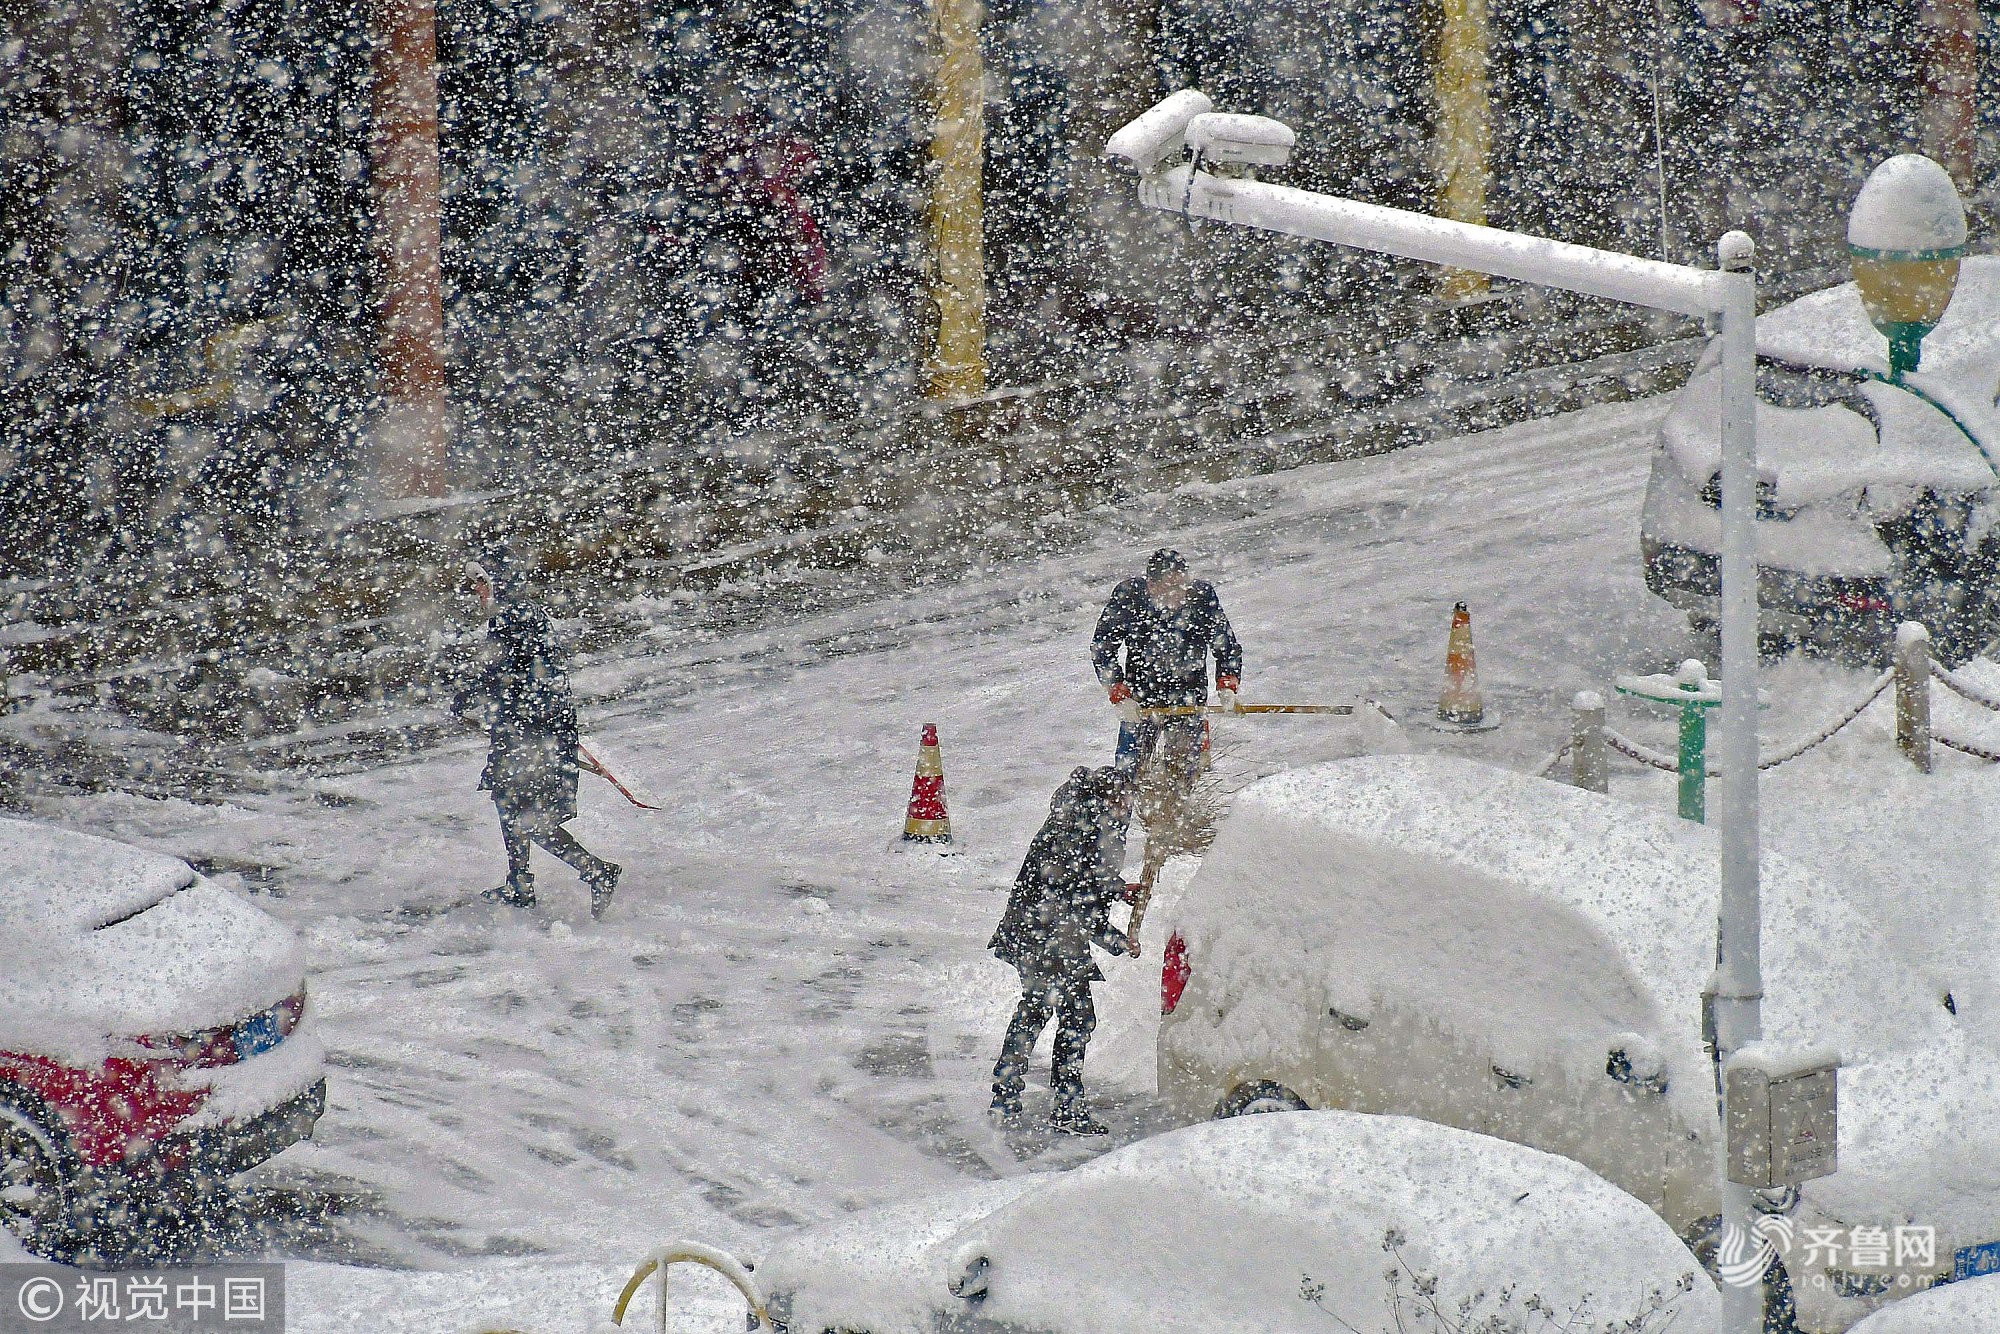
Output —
<point x="1142" y="896"/>
<point x="1157" y="852"/>
<point x="589" y="762"/>
<point x="1190" y="710"/>
<point x="1168" y="818"/>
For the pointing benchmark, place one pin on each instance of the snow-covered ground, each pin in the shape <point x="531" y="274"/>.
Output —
<point x="783" y="1018"/>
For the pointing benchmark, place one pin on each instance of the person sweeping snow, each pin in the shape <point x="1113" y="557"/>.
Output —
<point x="1151" y="652"/>
<point x="1058" y="910"/>
<point x="521" y="697"/>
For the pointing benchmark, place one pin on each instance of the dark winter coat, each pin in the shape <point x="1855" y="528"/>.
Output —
<point x="1061" y="902"/>
<point x="522" y="697"/>
<point x="1163" y="655"/>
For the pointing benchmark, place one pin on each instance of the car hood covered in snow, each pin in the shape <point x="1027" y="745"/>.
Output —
<point x="1811" y="453"/>
<point x="878" y="1269"/>
<point x="1275" y="1223"/>
<point x="101" y="941"/>
<point x="57" y="880"/>
<point x="1959" y="1308"/>
<point x="1526" y="916"/>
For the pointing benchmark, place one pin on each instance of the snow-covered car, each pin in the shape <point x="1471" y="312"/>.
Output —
<point x="1876" y="500"/>
<point x="154" y="1032"/>
<point x="1313" y="1223"/>
<point x="1433" y="937"/>
<point x="1958" y="1309"/>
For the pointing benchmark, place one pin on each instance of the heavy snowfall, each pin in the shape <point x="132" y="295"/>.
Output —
<point x="595" y="594"/>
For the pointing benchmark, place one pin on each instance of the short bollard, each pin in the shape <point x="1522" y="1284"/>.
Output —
<point x="1589" y="766"/>
<point x="1913" y="694"/>
<point x="1694" y="694"/>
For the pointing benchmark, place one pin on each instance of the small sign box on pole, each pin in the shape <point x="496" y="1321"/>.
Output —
<point x="1782" y="1116"/>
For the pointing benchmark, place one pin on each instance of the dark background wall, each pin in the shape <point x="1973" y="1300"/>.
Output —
<point x="669" y="229"/>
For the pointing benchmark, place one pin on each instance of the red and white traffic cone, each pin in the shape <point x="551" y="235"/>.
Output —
<point x="927" y="820"/>
<point x="1461" y="706"/>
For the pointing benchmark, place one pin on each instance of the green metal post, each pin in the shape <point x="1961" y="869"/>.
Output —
<point x="1694" y="759"/>
<point x="1689" y="690"/>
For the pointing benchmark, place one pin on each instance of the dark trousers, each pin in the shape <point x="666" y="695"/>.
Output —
<point x="1076" y="1018"/>
<point x="1183" y="738"/>
<point x="517" y="829"/>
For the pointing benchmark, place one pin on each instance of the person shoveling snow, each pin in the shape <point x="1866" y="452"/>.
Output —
<point x="1058" y="910"/>
<point x="1151" y="652"/>
<point x="521" y="697"/>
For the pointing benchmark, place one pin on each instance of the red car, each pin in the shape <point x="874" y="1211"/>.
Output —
<point x="154" y="1033"/>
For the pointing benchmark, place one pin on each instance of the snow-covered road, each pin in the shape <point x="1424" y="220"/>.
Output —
<point x="783" y="1019"/>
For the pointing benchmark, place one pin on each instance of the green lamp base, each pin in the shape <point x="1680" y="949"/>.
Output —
<point x="1906" y="347"/>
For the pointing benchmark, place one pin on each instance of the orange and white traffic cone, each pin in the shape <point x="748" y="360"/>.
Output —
<point x="927" y="820"/>
<point x="1461" y="705"/>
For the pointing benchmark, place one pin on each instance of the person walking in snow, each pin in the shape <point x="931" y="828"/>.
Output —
<point x="521" y="697"/>
<point x="1058" y="911"/>
<point x="1151" y="651"/>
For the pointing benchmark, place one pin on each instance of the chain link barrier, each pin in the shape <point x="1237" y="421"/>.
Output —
<point x="1655" y="759"/>
<point x="1548" y="770"/>
<point x="1977" y="752"/>
<point x="1644" y="754"/>
<point x="1790" y="753"/>
<point x="1964" y="689"/>
<point x="1972" y="694"/>
<point x="1665" y="763"/>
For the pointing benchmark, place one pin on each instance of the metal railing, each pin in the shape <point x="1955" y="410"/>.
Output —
<point x="1913" y="671"/>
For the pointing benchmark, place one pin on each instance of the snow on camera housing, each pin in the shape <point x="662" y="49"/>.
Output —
<point x="154" y="1033"/>
<point x="1876" y="500"/>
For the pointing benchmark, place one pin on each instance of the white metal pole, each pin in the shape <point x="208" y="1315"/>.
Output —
<point x="1731" y="294"/>
<point x="1739" y="979"/>
<point x="1530" y="259"/>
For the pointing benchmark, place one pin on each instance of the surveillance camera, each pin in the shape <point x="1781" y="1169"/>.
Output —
<point x="1157" y="135"/>
<point x="1225" y="137"/>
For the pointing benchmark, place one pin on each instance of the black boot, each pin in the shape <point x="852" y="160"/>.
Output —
<point x="1072" y="1117"/>
<point x="515" y="894"/>
<point x="602" y="884"/>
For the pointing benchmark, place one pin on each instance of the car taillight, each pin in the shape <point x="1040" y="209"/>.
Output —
<point x="1173" y="973"/>
<point x="1862" y="602"/>
<point x="290" y="1010"/>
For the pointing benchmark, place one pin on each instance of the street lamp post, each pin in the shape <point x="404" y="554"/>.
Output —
<point x="1155" y="144"/>
<point x="1905" y="237"/>
<point x="1738" y="987"/>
